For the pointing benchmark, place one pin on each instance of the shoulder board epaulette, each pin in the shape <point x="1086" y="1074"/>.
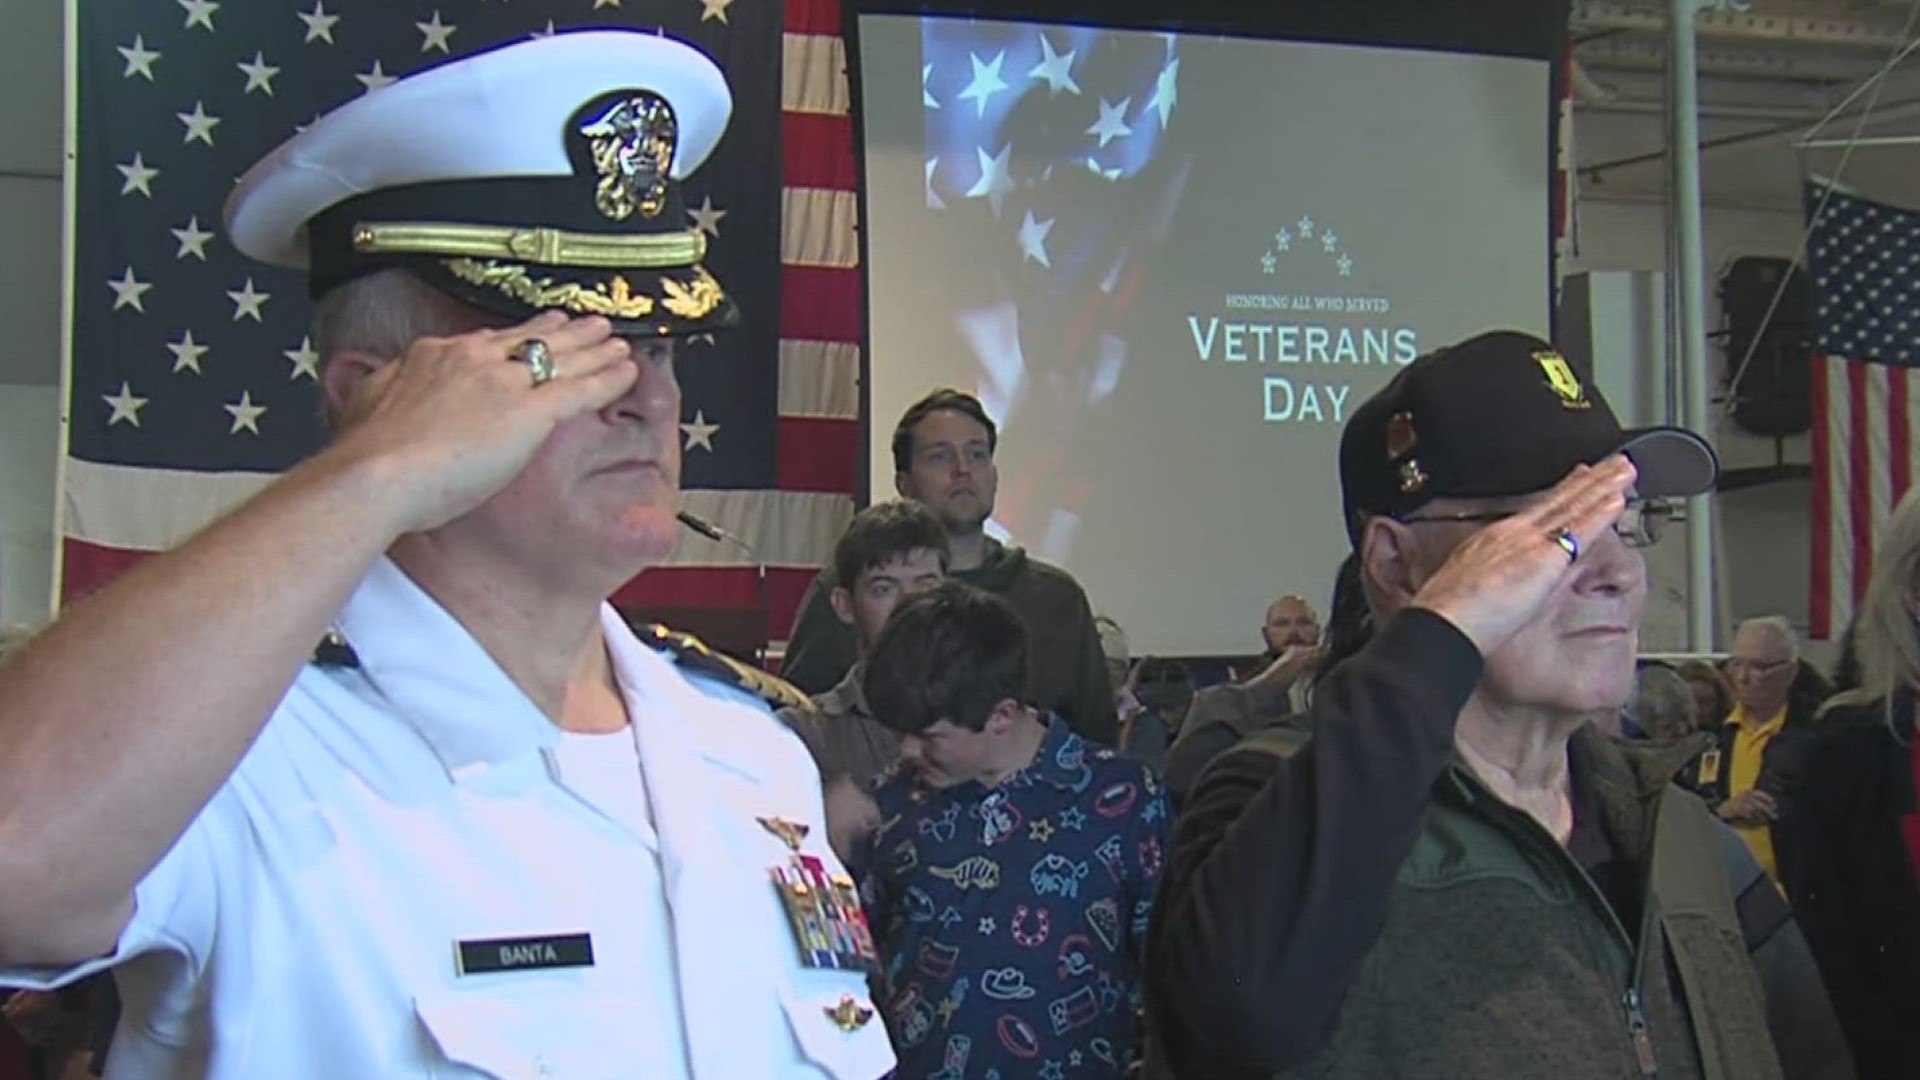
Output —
<point x="334" y="652"/>
<point x="693" y="654"/>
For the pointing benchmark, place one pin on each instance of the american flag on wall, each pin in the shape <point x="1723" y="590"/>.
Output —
<point x="191" y="376"/>
<point x="1865" y="261"/>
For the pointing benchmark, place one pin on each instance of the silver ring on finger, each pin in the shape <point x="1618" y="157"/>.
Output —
<point x="1567" y="542"/>
<point x="538" y="356"/>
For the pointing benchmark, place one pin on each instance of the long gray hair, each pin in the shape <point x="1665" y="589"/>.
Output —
<point x="1886" y="635"/>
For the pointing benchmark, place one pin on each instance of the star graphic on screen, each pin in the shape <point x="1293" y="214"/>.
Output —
<point x="376" y="79"/>
<point x="988" y="926"/>
<point x="139" y="58"/>
<point x="1165" y="93"/>
<point x="994" y="183"/>
<point x="200" y="13"/>
<point x="128" y="291"/>
<point x="699" y="433"/>
<point x="247" y="302"/>
<point x="187" y="353"/>
<point x="125" y="406"/>
<point x="1113" y="121"/>
<point x="1033" y="240"/>
<point x="246" y="415"/>
<point x="435" y="33"/>
<point x="714" y="9"/>
<point x="926" y="92"/>
<point x="200" y="124"/>
<point x="598" y="4"/>
<point x="706" y="217"/>
<point x="546" y="31"/>
<point x="304" y="360"/>
<point x="1329" y="243"/>
<point x="259" y="74"/>
<point x="1346" y="266"/>
<point x="1055" y="68"/>
<point x="986" y="81"/>
<point x="1283" y="241"/>
<point x="136" y="176"/>
<point x="1306" y="228"/>
<point x="319" y="23"/>
<point x="1268" y="262"/>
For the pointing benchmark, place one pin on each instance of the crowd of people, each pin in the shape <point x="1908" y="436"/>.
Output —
<point x="368" y="779"/>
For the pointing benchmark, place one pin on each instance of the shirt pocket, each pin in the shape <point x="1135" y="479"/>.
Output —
<point x="523" y="1033"/>
<point x="815" y="1009"/>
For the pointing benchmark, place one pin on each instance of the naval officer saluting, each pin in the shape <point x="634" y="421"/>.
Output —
<point x="488" y="831"/>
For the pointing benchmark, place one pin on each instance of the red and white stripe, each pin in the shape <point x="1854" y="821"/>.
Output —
<point x="1865" y="415"/>
<point x="116" y="515"/>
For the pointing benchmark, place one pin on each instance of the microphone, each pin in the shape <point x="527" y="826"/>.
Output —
<point x="704" y="527"/>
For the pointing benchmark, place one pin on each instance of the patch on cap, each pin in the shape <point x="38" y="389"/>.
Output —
<point x="1562" y="380"/>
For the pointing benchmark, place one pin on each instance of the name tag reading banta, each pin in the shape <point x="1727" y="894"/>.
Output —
<point x="524" y="953"/>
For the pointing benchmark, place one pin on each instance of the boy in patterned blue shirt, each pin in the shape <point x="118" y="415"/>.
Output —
<point x="1015" y="863"/>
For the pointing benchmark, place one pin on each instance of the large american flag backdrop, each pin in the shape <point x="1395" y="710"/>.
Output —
<point x="1865" y="261"/>
<point x="191" y="376"/>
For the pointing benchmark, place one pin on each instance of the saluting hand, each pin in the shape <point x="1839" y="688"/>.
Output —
<point x="1498" y="578"/>
<point x="458" y="419"/>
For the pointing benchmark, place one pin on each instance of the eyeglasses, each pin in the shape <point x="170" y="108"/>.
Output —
<point x="1640" y="525"/>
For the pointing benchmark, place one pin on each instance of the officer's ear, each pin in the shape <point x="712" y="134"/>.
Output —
<point x="342" y="374"/>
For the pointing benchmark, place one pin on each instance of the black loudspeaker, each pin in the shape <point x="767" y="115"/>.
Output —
<point x="1770" y="396"/>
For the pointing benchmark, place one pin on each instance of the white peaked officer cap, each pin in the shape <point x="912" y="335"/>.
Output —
<point x="543" y="175"/>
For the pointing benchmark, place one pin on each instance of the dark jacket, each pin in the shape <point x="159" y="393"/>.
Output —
<point x="1220" y="717"/>
<point x="1363" y="907"/>
<point x="1853" y="884"/>
<point x="1068" y="672"/>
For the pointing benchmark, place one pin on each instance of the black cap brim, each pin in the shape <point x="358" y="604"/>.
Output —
<point x="1672" y="462"/>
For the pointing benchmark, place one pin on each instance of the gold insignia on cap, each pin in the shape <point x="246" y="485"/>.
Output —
<point x="1564" y="382"/>
<point x="849" y="1014"/>
<point x="1412" y="477"/>
<point x="1400" y="434"/>
<point x="632" y="143"/>
<point x="789" y="832"/>
<point x="614" y="299"/>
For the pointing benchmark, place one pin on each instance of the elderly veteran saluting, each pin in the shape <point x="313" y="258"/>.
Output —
<point x="489" y="831"/>
<point x="1458" y="876"/>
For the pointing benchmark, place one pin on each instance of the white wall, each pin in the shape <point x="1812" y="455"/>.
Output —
<point x="30" y="277"/>
<point x="1764" y="549"/>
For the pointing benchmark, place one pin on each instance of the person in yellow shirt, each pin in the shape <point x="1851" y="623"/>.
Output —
<point x="1772" y="694"/>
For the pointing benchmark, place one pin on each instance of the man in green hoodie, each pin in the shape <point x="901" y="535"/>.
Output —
<point x="943" y="450"/>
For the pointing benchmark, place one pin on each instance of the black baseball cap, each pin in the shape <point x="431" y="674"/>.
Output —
<point x="1500" y="414"/>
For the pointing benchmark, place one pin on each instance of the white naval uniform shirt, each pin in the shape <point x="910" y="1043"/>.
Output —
<point x="307" y="922"/>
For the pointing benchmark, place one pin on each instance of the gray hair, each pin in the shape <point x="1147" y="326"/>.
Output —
<point x="1780" y="628"/>
<point x="383" y="314"/>
<point x="1886" y="635"/>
